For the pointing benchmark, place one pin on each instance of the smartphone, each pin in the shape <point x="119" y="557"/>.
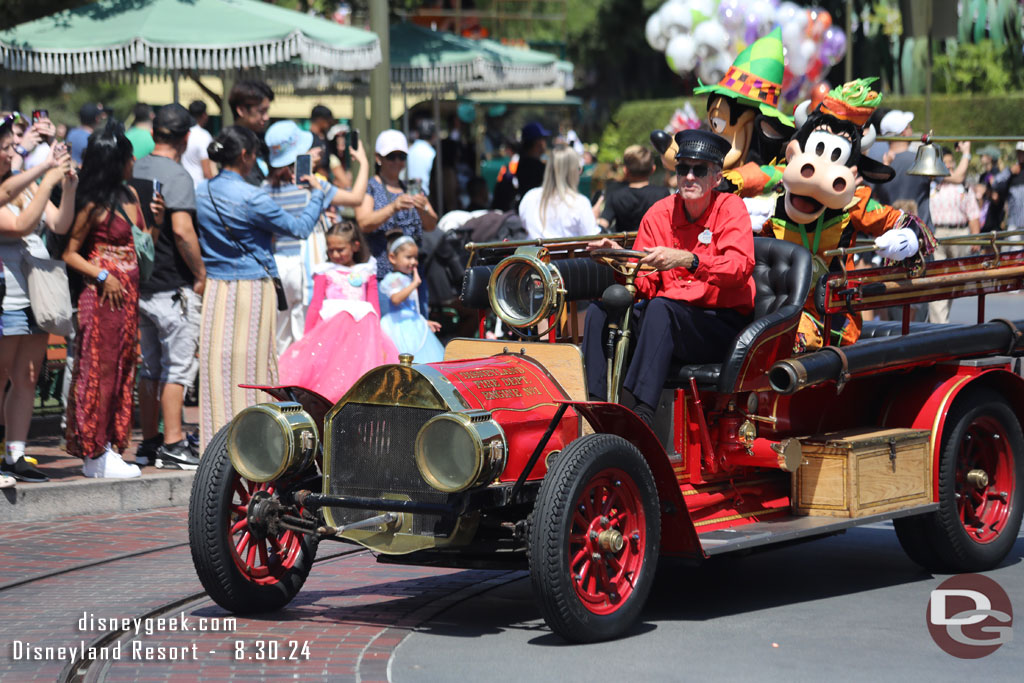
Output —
<point x="303" y="167"/>
<point x="353" y="138"/>
<point x="157" y="186"/>
<point x="415" y="186"/>
<point x="40" y="114"/>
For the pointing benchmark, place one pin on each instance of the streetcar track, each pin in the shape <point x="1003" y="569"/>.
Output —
<point x="88" y="565"/>
<point x="78" y="669"/>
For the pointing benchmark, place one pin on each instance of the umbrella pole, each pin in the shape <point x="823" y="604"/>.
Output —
<point x="438" y="162"/>
<point x="405" y="121"/>
<point x="174" y="86"/>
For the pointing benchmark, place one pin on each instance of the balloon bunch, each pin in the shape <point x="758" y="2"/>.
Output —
<point x="703" y="37"/>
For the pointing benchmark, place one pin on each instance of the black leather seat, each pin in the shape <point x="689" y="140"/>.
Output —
<point x="782" y="276"/>
<point x="875" y="329"/>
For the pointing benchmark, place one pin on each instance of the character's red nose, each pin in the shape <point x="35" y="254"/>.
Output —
<point x="807" y="170"/>
<point x="839" y="185"/>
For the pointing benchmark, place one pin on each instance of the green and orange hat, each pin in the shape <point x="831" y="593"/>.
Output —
<point x="854" y="101"/>
<point x="755" y="77"/>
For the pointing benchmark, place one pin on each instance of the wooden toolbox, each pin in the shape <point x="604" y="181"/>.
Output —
<point x="862" y="472"/>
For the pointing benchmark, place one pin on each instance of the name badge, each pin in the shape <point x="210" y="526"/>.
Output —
<point x="704" y="237"/>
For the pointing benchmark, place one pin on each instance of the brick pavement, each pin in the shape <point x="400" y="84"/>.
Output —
<point x="352" y="612"/>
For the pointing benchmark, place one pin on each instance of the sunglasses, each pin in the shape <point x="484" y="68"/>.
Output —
<point x="698" y="170"/>
<point x="397" y="156"/>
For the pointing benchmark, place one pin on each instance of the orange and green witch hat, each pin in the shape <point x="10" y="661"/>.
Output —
<point x="755" y="77"/>
<point x="854" y="101"/>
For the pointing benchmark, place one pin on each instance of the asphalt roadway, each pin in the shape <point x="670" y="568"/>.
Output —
<point x="850" y="607"/>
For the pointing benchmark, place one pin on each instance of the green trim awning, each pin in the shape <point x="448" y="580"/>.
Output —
<point x="200" y="35"/>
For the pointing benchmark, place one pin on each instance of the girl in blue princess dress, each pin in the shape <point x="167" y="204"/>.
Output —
<point x="399" y="304"/>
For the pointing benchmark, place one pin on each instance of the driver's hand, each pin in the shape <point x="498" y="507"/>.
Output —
<point x="603" y="243"/>
<point x="665" y="258"/>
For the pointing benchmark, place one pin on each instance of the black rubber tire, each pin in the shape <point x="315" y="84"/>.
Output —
<point x="938" y="540"/>
<point x="550" y="571"/>
<point x="208" y="526"/>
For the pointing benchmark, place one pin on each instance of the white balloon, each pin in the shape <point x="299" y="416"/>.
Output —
<point x="791" y="35"/>
<point x="705" y="7"/>
<point x="711" y="38"/>
<point x="681" y="53"/>
<point x="652" y="31"/>
<point x="808" y="48"/>
<point x="763" y="10"/>
<point x="675" y="19"/>
<point x="786" y="13"/>
<point x="710" y="71"/>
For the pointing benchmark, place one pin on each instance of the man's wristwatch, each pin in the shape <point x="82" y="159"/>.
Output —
<point x="693" y="266"/>
<point x="102" y="276"/>
<point x="22" y="152"/>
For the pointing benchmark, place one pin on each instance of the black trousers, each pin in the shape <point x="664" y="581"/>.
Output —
<point x="664" y="330"/>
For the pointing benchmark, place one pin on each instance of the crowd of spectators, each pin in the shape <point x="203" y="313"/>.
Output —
<point x="240" y="246"/>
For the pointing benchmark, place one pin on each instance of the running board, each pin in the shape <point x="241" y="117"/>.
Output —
<point x="723" y="541"/>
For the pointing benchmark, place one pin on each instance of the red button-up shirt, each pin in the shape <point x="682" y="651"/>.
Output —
<point x="723" y="277"/>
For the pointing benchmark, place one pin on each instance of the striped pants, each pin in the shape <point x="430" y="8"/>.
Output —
<point x="236" y="347"/>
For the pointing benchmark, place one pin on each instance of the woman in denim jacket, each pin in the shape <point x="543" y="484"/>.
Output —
<point x="238" y="223"/>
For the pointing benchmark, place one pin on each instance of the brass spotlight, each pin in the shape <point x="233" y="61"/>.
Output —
<point x="929" y="162"/>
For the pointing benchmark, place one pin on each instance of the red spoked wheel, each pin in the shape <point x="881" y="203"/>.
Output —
<point x="594" y="539"/>
<point x="984" y="479"/>
<point x="263" y="557"/>
<point x="244" y="564"/>
<point x="607" y="541"/>
<point x="980" y="499"/>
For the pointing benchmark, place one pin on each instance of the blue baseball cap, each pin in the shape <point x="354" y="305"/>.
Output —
<point x="287" y="141"/>
<point x="533" y="131"/>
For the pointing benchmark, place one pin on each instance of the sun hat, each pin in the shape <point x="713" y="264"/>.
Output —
<point x="336" y="130"/>
<point x="286" y="141"/>
<point x="895" y="122"/>
<point x="391" y="141"/>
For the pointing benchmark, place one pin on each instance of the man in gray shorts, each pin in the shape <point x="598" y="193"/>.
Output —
<point x="169" y="301"/>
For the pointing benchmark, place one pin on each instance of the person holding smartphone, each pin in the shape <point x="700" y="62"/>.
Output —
<point x="390" y="207"/>
<point x="293" y="156"/>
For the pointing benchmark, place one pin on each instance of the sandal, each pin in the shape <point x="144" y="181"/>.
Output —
<point x="7" y="482"/>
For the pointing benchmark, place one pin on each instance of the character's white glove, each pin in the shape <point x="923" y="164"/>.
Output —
<point x="896" y="245"/>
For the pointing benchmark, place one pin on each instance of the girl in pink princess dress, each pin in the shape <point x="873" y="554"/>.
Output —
<point x="343" y="338"/>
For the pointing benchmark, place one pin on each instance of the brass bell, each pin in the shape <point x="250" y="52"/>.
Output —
<point x="929" y="162"/>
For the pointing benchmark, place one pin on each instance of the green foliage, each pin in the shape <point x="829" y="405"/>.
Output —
<point x="951" y="115"/>
<point x="976" y="68"/>
<point x="64" y="106"/>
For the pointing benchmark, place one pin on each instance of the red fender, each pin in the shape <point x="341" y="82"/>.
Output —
<point x="312" y="402"/>
<point x="678" y="535"/>
<point x="926" y="403"/>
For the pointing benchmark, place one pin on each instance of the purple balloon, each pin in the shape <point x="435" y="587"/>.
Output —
<point x="753" y="30"/>
<point x="833" y="45"/>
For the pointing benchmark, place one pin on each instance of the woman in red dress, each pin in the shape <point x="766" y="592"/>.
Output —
<point x="102" y="250"/>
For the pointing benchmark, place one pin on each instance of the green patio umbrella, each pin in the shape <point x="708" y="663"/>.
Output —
<point x="166" y="35"/>
<point x="420" y="56"/>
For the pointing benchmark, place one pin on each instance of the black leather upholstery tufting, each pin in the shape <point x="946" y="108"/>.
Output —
<point x="474" y="287"/>
<point x="782" y="276"/>
<point x="874" y="329"/>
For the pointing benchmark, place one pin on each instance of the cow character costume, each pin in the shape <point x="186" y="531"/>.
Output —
<point x="743" y="109"/>
<point x="824" y="205"/>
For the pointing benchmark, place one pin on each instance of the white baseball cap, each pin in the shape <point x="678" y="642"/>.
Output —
<point x="391" y="141"/>
<point x="895" y="122"/>
<point x="1020" y="146"/>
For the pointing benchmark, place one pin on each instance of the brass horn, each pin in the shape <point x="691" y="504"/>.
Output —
<point x="929" y="162"/>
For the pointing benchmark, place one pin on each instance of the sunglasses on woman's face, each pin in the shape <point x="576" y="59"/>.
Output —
<point x="397" y="156"/>
<point x="698" y="170"/>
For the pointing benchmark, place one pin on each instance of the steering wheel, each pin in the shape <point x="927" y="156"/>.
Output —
<point x="618" y="260"/>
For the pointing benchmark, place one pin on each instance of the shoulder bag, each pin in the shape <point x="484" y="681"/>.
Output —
<point x="145" y="250"/>
<point x="282" y="300"/>
<point x="48" y="292"/>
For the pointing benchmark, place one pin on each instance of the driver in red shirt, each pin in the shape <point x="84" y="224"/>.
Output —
<point x="701" y="293"/>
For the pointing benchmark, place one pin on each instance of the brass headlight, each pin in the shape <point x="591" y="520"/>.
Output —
<point x="269" y="440"/>
<point x="525" y="289"/>
<point x="455" y="451"/>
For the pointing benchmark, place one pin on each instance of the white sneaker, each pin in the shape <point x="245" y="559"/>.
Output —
<point x="109" y="466"/>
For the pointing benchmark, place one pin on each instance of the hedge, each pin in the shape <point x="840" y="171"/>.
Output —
<point x="951" y="115"/>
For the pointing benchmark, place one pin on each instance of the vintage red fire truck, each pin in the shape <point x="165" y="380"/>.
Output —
<point x="495" y="457"/>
